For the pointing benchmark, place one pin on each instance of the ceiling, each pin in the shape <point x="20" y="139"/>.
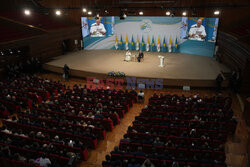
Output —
<point x="144" y="3"/>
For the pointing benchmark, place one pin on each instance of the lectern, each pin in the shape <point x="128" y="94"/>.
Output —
<point x="161" y="61"/>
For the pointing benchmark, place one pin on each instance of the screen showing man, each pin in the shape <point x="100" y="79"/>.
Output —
<point x="97" y="29"/>
<point x="197" y="31"/>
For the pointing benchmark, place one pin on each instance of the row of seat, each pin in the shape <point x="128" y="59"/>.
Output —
<point x="35" y="154"/>
<point x="38" y="112"/>
<point x="98" y="132"/>
<point x="92" y="143"/>
<point x="25" y="139"/>
<point x="179" y="130"/>
<point x="107" y="123"/>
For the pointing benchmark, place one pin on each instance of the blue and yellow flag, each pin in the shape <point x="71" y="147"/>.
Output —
<point x="176" y="45"/>
<point x="153" y="47"/>
<point x="132" y="44"/>
<point x="142" y="46"/>
<point x="164" y="45"/>
<point x="121" y="44"/>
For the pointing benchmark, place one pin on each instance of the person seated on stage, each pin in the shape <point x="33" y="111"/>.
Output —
<point x="128" y="56"/>
<point x="140" y="56"/>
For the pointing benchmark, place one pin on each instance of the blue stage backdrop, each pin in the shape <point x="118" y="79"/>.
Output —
<point x="153" y="34"/>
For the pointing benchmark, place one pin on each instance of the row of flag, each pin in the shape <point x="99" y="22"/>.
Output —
<point x="164" y="47"/>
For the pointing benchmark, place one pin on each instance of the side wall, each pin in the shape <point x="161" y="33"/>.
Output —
<point x="236" y="56"/>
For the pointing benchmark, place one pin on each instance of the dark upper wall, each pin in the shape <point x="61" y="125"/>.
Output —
<point x="41" y="43"/>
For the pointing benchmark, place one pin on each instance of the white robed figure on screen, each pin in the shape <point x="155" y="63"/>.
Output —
<point x="197" y="31"/>
<point x="97" y="29"/>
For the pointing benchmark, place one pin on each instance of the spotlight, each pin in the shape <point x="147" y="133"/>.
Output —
<point x="97" y="15"/>
<point x="184" y="13"/>
<point x="27" y="12"/>
<point x="217" y="12"/>
<point x="168" y="13"/>
<point x="84" y="10"/>
<point x="140" y="13"/>
<point x="106" y="11"/>
<point x="58" y="12"/>
<point x="89" y="13"/>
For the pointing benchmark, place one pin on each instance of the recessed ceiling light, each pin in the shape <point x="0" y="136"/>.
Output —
<point x="58" y="12"/>
<point x="217" y="12"/>
<point x="27" y="12"/>
<point x="168" y="13"/>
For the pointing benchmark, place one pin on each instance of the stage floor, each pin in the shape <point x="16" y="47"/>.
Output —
<point x="178" y="66"/>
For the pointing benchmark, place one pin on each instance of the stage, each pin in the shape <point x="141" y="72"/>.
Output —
<point x="180" y="69"/>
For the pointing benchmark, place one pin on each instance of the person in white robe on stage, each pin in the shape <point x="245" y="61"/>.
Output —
<point x="128" y="56"/>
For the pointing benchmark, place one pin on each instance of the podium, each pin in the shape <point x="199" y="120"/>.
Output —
<point x="161" y="61"/>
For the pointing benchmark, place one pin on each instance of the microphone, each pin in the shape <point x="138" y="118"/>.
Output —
<point x="193" y="27"/>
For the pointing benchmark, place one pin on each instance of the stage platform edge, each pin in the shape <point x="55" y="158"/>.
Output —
<point x="166" y="82"/>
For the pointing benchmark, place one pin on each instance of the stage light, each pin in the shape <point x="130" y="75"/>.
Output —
<point x="217" y="12"/>
<point x="168" y="13"/>
<point x="89" y="13"/>
<point x="184" y="13"/>
<point x="58" y="12"/>
<point x="140" y="13"/>
<point x="27" y="12"/>
<point x="97" y="15"/>
<point x="84" y="10"/>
